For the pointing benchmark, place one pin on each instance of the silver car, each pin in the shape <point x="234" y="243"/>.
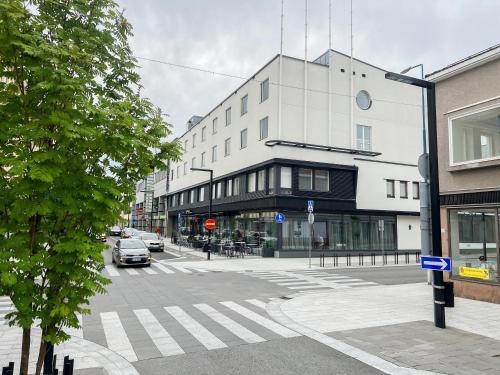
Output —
<point x="127" y="252"/>
<point x="152" y="241"/>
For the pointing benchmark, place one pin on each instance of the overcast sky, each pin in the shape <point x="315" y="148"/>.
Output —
<point x="238" y="37"/>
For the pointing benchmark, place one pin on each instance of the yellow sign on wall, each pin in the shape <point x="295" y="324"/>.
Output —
<point x="477" y="273"/>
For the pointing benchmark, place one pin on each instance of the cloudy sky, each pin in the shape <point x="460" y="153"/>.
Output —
<point x="237" y="37"/>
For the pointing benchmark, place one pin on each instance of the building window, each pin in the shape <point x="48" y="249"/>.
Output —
<point x="214" y="154"/>
<point x="270" y="180"/>
<point x="204" y="134"/>
<point x="201" y="194"/>
<point x="261" y="180"/>
<point x="185" y="145"/>
<point x="229" y="188"/>
<point x="475" y="137"/>
<point x="203" y="159"/>
<point x="244" y="105"/>
<point x="193" y="163"/>
<point x="286" y="179"/>
<point x="390" y="188"/>
<point x="263" y="128"/>
<point x="364" y="137"/>
<point x="251" y="182"/>
<point x="178" y="171"/>
<point x="243" y="138"/>
<point x="174" y="200"/>
<point x="403" y="189"/>
<point x="321" y="180"/>
<point x="473" y="243"/>
<point x="181" y="199"/>
<point x="227" y="147"/>
<point x="236" y="186"/>
<point x="172" y="175"/>
<point x="192" y="195"/>
<point x="214" y="126"/>
<point x="228" y="116"/>
<point x="416" y="190"/>
<point x="363" y="100"/>
<point x="194" y="140"/>
<point x="185" y="167"/>
<point x="305" y="179"/>
<point x="214" y="188"/>
<point x="264" y="90"/>
<point x="219" y="190"/>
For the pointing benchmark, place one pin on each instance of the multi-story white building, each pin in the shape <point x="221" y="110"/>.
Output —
<point x="292" y="133"/>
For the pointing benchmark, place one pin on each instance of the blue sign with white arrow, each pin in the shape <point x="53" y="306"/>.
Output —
<point x="436" y="263"/>
<point x="280" y="218"/>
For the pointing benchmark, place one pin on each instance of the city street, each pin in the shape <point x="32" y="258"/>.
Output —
<point x="174" y="319"/>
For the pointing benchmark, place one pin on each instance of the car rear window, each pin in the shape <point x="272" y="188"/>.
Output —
<point x="149" y="236"/>
<point x="132" y="244"/>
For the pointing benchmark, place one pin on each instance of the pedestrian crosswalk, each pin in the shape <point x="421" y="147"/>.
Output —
<point x="6" y="307"/>
<point x="155" y="269"/>
<point x="176" y="330"/>
<point x="308" y="280"/>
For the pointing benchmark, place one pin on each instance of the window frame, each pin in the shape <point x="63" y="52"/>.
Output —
<point x="229" y="187"/>
<point x="311" y="176"/>
<point x="393" y="184"/>
<point x="260" y="128"/>
<point x="315" y="171"/>
<point x="282" y="168"/>
<point x="263" y="86"/>
<point x="228" y="116"/>
<point x="405" y="184"/>
<point x="227" y="147"/>
<point x="254" y="188"/>
<point x="417" y="184"/>
<point x="214" y="153"/>
<point x="261" y="180"/>
<point x="185" y="168"/>
<point x="193" y="141"/>
<point x="363" y="140"/>
<point x="214" y="125"/>
<point x="202" y="159"/>
<point x="201" y="194"/>
<point x="193" y="162"/>
<point x="204" y="133"/>
<point x="243" y="132"/>
<point x="244" y="105"/>
<point x="236" y="186"/>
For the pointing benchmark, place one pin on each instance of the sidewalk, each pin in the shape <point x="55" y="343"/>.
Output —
<point x="392" y="327"/>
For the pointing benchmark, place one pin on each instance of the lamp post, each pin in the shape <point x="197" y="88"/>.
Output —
<point x="210" y="187"/>
<point x="438" y="285"/>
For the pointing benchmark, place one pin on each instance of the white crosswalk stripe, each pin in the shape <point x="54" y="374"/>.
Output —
<point x="259" y="319"/>
<point x="363" y="283"/>
<point x="200" y="333"/>
<point x="316" y="286"/>
<point x="149" y="271"/>
<point x="6" y="306"/>
<point x="283" y="280"/>
<point x="162" y="268"/>
<point x="116" y="337"/>
<point x="235" y="328"/>
<point x="112" y="271"/>
<point x="131" y="271"/>
<point x="161" y="338"/>
<point x="179" y="268"/>
<point x="257" y="303"/>
<point x="292" y="283"/>
<point x="199" y="269"/>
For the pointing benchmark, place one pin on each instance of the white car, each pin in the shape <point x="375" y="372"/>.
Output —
<point x="130" y="251"/>
<point x="152" y="241"/>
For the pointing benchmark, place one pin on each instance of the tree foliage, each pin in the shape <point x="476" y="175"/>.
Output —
<point x="74" y="137"/>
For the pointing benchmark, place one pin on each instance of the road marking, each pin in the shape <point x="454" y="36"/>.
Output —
<point x="148" y="270"/>
<point x="5" y="299"/>
<point x="199" y="269"/>
<point x="179" y="268"/>
<point x="344" y="281"/>
<point x="235" y="328"/>
<point x="112" y="271"/>
<point x="317" y="286"/>
<point x="161" y="267"/>
<point x="161" y="338"/>
<point x="278" y="279"/>
<point x="257" y="303"/>
<point x="259" y="319"/>
<point x="362" y="283"/>
<point x="5" y="308"/>
<point x="116" y="337"/>
<point x="76" y="332"/>
<point x="131" y="271"/>
<point x="303" y="282"/>
<point x="283" y="280"/>
<point x="333" y="277"/>
<point x="200" y="333"/>
<point x="171" y="253"/>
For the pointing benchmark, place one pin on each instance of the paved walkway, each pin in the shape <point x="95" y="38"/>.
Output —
<point x="391" y="328"/>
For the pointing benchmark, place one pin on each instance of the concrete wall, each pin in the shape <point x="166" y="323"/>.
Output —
<point x="408" y="232"/>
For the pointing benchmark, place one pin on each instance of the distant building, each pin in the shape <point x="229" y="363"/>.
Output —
<point x="468" y="119"/>
<point x="275" y="146"/>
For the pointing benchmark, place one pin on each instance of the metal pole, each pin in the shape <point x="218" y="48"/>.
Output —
<point x="310" y="242"/>
<point x="439" y="297"/>
<point x="210" y="187"/>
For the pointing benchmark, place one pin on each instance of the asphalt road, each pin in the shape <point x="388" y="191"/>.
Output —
<point x="175" y="300"/>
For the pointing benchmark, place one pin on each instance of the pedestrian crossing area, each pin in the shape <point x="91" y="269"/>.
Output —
<point x="6" y="307"/>
<point x="308" y="280"/>
<point x="168" y="331"/>
<point x="156" y="268"/>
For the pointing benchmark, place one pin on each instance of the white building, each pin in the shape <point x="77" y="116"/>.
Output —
<point x="273" y="145"/>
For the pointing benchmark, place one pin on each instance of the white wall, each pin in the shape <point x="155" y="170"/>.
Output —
<point x="408" y="239"/>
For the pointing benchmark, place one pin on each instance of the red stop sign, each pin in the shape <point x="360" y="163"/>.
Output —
<point x="210" y="223"/>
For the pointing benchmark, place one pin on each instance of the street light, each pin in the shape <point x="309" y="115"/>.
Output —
<point x="211" y="171"/>
<point x="438" y="285"/>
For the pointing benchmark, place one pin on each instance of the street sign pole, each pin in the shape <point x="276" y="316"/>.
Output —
<point x="381" y="231"/>
<point x="310" y="219"/>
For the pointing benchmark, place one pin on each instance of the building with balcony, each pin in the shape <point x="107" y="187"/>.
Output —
<point x="292" y="133"/>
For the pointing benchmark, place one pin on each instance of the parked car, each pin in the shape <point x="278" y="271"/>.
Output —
<point x="129" y="252"/>
<point x="130" y="233"/>
<point x="152" y="241"/>
<point x="115" y="231"/>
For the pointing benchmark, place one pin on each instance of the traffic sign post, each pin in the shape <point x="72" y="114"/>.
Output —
<point x="381" y="233"/>
<point x="310" y="206"/>
<point x="210" y="224"/>
<point x="179" y="227"/>
<point x="436" y="263"/>
<point x="310" y="219"/>
<point x="280" y="218"/>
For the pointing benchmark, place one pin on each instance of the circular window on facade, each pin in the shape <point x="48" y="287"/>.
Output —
<point x="363" y="100"/>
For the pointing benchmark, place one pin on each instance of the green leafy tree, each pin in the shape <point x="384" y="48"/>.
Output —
<point x="74" y="137"/>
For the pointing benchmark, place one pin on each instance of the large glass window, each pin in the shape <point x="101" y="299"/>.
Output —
<point x="475" y="136"/>
<point x="390" y="188"/>
<point x="403" y="189"/>
<point x="270" y="180"/>
<point x="219" y="190"/>
<point x="305" y="179"/>
<point x="473" y="243"/>
<point x="243" y="138"/>
<point x="236" y="186"/>
<point x="229" y="187"/>
<point x="244" y="105"/>
<point x="261" y="180"/>
<point x="263" y="128"/>
<point x="251" y="182"/>
<point x="416" y="190"/>
<point x="181" y="199"/>
<point x="321" y="180"/>
<point x="286" y="179"/>
<point x="201" y="194"/>
<point x="363" y="137"/>
<point x="264" y="90"/>
<point x="192" y="195"/>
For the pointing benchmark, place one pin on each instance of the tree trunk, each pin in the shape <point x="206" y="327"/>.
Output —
<point x="25" y="351"/>
<point x="41" y="353"/>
